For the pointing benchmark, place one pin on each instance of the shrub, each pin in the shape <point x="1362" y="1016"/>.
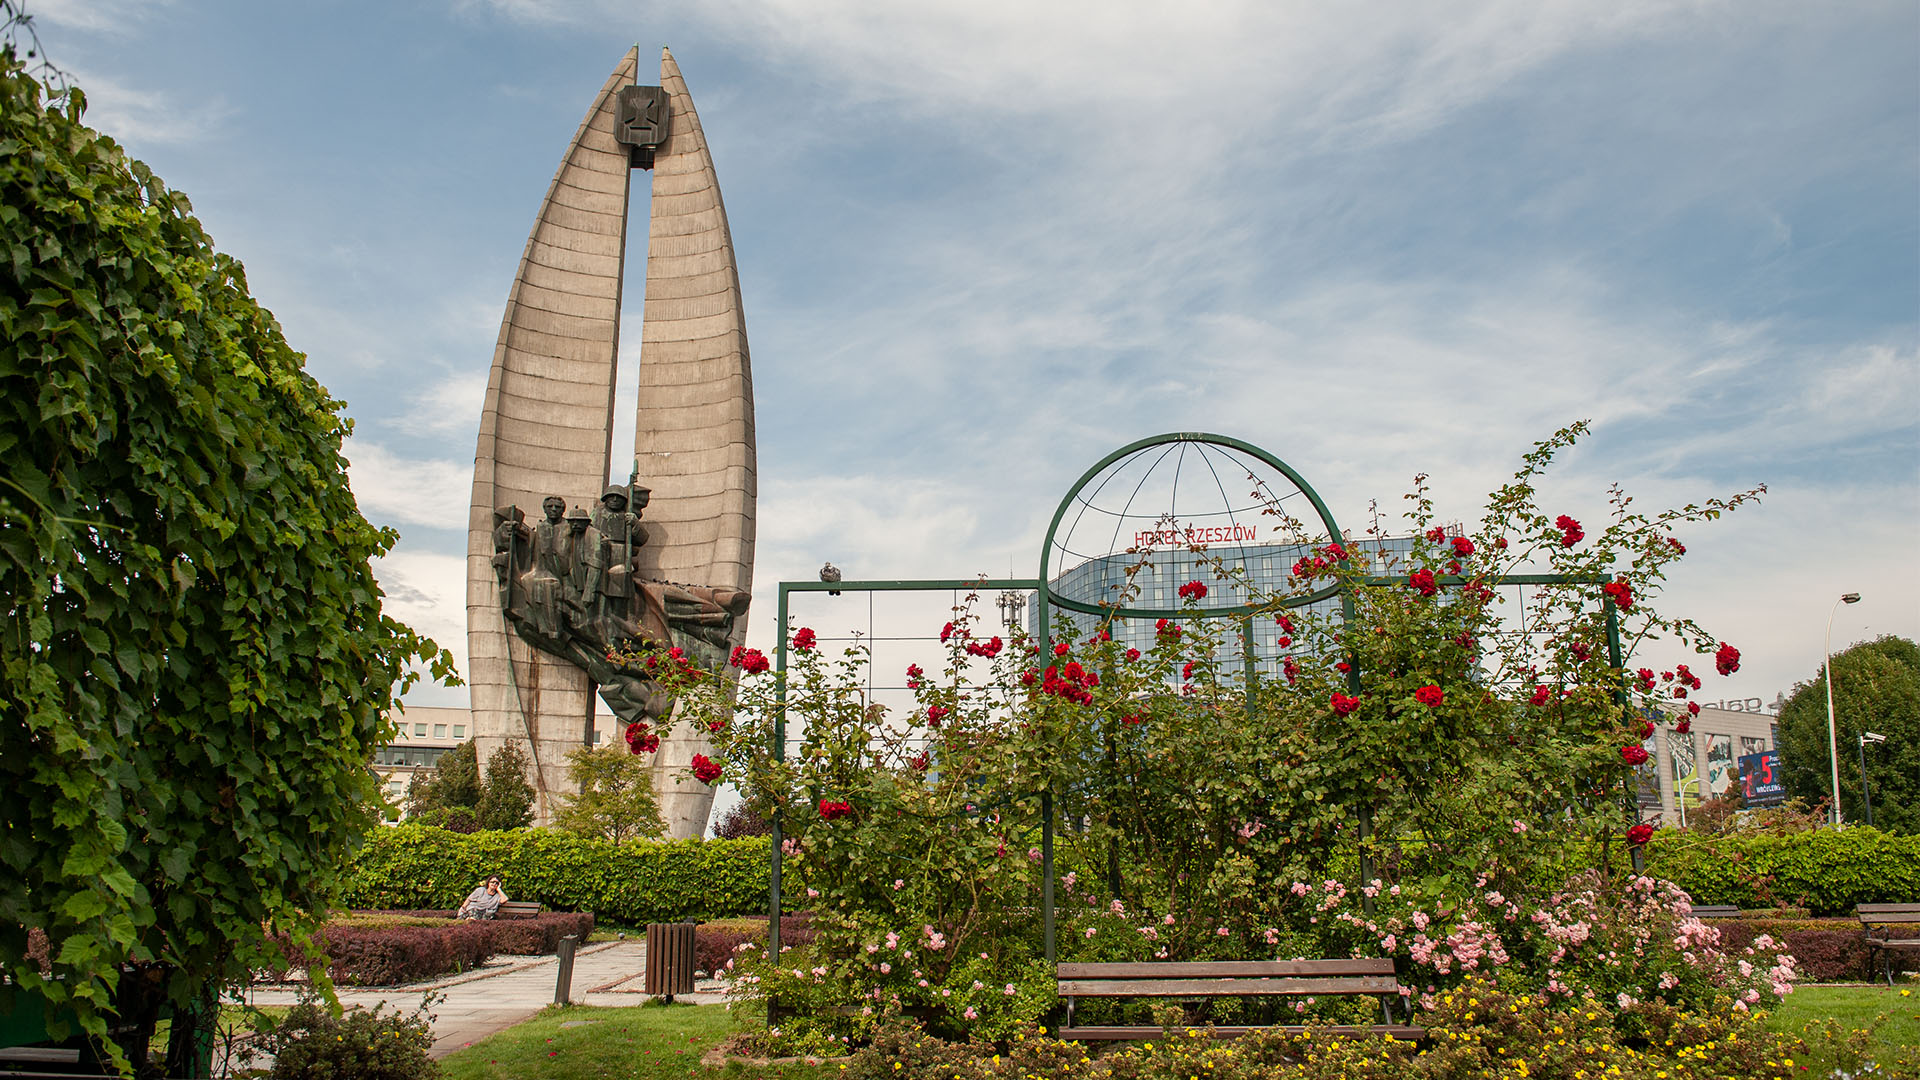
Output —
<point x="539" y="935"/>
<point x="311" y="1043"/>
<point x="739" y="822"/>
<point x="1826" y="871"/>
<point x="392" y="955"/>
<point x="630" y="884"/>
<point x="716" y="942"/>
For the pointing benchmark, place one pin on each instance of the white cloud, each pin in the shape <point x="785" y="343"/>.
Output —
<point x="392" y="489"/>
<point x="145" y="117"/>
<point x="96" y="16"/>
<point x="427" y="591"/>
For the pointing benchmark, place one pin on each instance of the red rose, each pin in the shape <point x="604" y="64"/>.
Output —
<point x="1570" y="533"/>
<point x="751" y="661"/>
<point x="919" y="762"/>
<point x="1639" y="834"/>
<point x="1342" y="704"/>
<point x="946" y="632"/>
<point x="1437" y="534"/>
<point x="1133" y="654"/>
<point x="1285" y="641"/>
<point x="1646" y="678"/>
<point x="1541" y="695"/>
<point x="803" y="639"/>
<point x="1062" y="648"/>
<point x="1683" y="726"/>
<point x="1621" y="592"/>
<point x="1290" y="669"/>
<point x="1421" y="581"/>
<point x="1193" y="590"/>
<point x="1186" y="670"/>
<point x="705" y="769"/>
<point x="1462" y="546"/>
<point x="1693" y="708"/>
<point x="1500" y="542"/>
<point x="1646" y="728"/>
<point x="935" y="713"/>
<point x="1167" y="628"/>
<point x="1336" y="552"/>
<point x="830" y="810"/>
<point x="1727" y="660"/>
<point x="1430" y="696"/>
<point x="1634" y="754"/>
<point x="1674" y="543"/>
<point x="1580" y="650"/>
<point x="1133" y="721"/>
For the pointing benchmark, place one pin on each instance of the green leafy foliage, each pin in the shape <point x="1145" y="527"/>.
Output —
<point x="615" y="800"/>
<point x="1876" y="687"/>
<point x="506" y="799"/>
<point x="194" y="667"/>
<point x="628" y="884"/>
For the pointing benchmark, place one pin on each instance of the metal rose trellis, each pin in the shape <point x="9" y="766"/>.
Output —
<point x="1048" y="600"/>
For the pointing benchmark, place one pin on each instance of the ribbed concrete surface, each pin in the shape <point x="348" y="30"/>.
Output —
<point x="693" y="437"/>
<point x="546" y="428"/>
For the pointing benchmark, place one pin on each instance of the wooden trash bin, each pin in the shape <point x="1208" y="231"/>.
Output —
<point x="669" y="959"/>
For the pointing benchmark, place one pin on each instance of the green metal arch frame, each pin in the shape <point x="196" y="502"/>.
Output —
<point x="1049" y="600"/>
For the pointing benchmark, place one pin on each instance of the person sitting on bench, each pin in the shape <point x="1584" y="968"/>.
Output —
<point x="483" y="902"/>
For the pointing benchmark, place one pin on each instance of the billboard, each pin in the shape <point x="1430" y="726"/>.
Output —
<point x="1760" y="779"/>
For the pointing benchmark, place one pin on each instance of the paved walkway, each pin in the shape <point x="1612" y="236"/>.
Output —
<point x="507" y="991"/>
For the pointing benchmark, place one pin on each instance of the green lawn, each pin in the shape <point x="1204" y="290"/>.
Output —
<point x="1824" y="1014"/>
<point x="640" y="1043"/>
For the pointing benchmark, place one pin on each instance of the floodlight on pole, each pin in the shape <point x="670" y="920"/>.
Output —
<point x="1866" y="793"/>
<point x="1833" y="740"/>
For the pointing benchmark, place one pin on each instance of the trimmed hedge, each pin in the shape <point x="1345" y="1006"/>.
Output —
<point x="391" y="955"/>
<point x="1825" y="871"/>
<point x="631" y="884"/>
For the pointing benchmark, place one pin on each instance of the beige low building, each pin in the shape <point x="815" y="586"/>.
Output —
<point x="425" y="734"/>
<point x="1705" y="762"/>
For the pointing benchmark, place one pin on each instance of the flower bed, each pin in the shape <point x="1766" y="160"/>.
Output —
<point x="389" y="948"/>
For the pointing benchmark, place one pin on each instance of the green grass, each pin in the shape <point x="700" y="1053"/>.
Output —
<point x="1824" y="1014"/>
<point x="637" y="1043"/>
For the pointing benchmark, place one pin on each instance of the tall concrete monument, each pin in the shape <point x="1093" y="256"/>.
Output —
<point x="563" y="568"/>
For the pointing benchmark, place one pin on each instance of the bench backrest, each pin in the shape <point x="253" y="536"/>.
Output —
<point x="1887" y="914"/>
<point x="1229" y="977"/>
<point x="1715" y="911"/>
<point x="518" y="909"/>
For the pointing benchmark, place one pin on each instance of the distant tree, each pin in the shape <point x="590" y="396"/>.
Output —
<point x="616" y="796"/>
<point x="740" y="821"/>
<point x="506" y="799"/>
<point x="453" y="783"/>
<point x="1876" y="688"/>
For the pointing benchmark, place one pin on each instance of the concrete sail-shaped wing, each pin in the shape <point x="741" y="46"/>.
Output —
<point x="546" y="430"/>
<point x="693" y="438"/>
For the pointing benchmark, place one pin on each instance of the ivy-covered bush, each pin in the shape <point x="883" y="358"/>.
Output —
<point x="194" y="666"/>
<point x="627" y="884"/>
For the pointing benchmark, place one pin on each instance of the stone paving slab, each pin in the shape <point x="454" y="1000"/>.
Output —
<point x="494" y="998"/>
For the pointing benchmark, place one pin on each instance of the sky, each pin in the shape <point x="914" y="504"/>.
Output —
<point x="982" y="244"/>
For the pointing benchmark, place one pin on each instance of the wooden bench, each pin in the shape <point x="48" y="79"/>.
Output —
<point x="518" y="909"/>
<point x="1716" y="911"/>
<point x="1884" y="917"/>
<point x="1214" y="979"/>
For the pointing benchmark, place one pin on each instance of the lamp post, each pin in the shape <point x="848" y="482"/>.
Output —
<point x="1865" y="738"/>
<point x="1833" y="740"/>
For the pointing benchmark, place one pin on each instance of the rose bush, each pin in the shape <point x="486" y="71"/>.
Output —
<point x="1415" y="733"/>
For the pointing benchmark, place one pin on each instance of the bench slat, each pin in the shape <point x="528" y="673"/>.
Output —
<point x="1224" y="987"/>
<point x="1095" y="1034"/>
<point x="1227" y="969"/>
<point x="1891" y="918"/>
<point x="1885" y="909"/>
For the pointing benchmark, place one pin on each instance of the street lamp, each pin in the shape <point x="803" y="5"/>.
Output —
<point x="1865" y="738"/>
<point x="1833" y="740"/>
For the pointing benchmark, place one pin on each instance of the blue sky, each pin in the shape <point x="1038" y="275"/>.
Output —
<point x="982" y="244"/>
